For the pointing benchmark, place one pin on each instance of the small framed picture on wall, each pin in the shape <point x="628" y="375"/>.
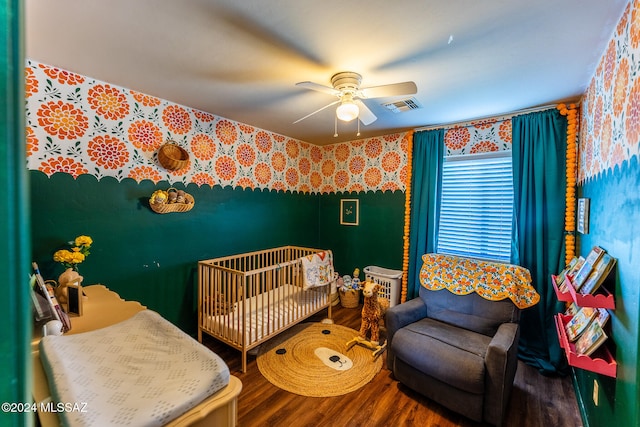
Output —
<point x="582" y="224"/>
<point x="349" y="211"/>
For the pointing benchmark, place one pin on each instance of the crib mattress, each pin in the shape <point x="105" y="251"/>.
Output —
<point x="268" y="312"/>
<point x="143" y="371"/>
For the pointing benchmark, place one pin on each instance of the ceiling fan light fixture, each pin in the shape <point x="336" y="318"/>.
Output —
<point x="346" y="87"/>
<point x="347" y="111"/>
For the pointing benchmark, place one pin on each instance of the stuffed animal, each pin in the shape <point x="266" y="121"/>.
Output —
<point x="373" y="311"/>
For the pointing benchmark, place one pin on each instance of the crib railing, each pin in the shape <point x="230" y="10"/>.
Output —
<point x="246" y="296"/>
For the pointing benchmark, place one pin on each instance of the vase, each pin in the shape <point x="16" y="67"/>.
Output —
<point x="69" y="276"/>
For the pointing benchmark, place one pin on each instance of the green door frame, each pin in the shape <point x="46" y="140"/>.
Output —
<point x="15" y="340"/>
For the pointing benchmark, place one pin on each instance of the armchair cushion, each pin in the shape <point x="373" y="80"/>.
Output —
<point x="449" y="354"/>
<point x="468" y="311"/>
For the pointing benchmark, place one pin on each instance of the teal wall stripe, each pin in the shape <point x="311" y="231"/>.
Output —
<point x="15" y="336"/>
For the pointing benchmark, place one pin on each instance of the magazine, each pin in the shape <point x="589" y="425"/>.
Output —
<point x="572" y="309"/>
<point x="602" y="317"/>
<point x="589" y="263"/>
<point x="579" y="323"/>
<point x="591" y="339"/>
<point x="560" y="277"/>
<point x="600" y="272"/>
<point x="574" y="270"/>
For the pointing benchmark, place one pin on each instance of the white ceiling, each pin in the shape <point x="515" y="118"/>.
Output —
<point x="240" y="59"/>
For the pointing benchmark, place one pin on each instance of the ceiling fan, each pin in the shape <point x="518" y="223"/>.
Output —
<point x="346" y="87"/>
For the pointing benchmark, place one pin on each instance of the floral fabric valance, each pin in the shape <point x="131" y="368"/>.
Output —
<point x="491" y="280"/>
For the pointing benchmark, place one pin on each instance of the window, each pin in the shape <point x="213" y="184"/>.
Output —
<point x="476" y="207"/>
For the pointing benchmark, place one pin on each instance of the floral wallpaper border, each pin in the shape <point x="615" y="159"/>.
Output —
<point x="79" y="125"/>
<point x="480" y="136"/>
<point x="610" y="110"/>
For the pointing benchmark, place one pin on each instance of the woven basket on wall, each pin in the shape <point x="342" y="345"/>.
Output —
<point x="166" y="207"/>
<point x="173" y="157"/>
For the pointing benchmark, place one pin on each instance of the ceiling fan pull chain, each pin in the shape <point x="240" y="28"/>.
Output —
<point x="335" y="127"/>
<point x="358" y="134"/>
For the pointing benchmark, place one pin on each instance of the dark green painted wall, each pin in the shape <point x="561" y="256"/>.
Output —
<point x="615" y="226"/>
<point x="150" y="257"/>
<point x="377" y="240"/>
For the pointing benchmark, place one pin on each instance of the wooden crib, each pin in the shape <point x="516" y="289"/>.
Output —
<point x="245" y="299"/>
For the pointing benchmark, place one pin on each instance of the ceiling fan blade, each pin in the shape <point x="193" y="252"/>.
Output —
<point x="394" y="89"/>
<point x="365" y="115"/>
<point x="317" y="111"/>
<point x="319" y="88"/>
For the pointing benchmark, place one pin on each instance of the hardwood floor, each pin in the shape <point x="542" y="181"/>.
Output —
<point x="536" y="400"/>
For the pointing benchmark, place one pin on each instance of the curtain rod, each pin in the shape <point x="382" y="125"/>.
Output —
<point x="498" y="117"/>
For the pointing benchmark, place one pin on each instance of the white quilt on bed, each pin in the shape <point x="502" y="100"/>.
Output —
<point x="143" y="371"/>
<point x="269" y="311"/>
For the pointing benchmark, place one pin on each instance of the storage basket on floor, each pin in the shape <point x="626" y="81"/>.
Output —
<point x="389" y="279"/>
<point x="349" y="298"/>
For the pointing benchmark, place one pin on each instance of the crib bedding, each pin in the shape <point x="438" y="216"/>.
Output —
<point x="267" y="312"/>
<point x="143" y="371"/>
<point x="317" y="269"/>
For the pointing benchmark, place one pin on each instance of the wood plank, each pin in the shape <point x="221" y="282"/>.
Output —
<point x="536" y="400"/>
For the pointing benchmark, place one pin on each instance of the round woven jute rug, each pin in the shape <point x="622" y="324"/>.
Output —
<point x="311" y="359"/>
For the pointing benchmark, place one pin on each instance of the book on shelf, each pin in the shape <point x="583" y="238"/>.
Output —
<point x="571" y="309"/>
<point x="560" y="277"/>
<point x="600" y="272"/>
<point x="570" y="271"/>
<point x="580" y="322"/>
<point x="591" y="339"/>
<point x="602" y="317"/>
<point x="588" y="265"/>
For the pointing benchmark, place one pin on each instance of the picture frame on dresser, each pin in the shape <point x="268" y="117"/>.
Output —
<point x="74" y="299"/>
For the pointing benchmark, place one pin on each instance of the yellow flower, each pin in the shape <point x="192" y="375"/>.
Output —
<point x="83" y="241"/>
<point x="61" y="256"/>
<point x="77" y="257"/>
<point x="70" y="258"/>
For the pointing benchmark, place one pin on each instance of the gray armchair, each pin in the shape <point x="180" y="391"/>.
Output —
<point x="458" y="350"/>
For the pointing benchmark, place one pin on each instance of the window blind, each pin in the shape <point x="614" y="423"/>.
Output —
<point x="476" y="207"/>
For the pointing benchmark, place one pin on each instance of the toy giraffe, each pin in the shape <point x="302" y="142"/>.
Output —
<point x="373" y="311"/>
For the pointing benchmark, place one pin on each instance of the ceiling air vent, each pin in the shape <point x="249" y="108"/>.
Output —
<point x="403" y="105"/>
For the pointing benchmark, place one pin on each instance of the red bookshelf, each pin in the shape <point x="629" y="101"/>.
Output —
<point x="603" y="299"/>
<point x="605" y="365"/>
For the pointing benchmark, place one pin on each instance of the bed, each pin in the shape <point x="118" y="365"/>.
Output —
<point x="245" y="299"/>
<point x="124" y="364"/>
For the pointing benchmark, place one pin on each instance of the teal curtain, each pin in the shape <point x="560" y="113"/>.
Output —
<point x="428" y="154"/>
<point x="539" y="147"/>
